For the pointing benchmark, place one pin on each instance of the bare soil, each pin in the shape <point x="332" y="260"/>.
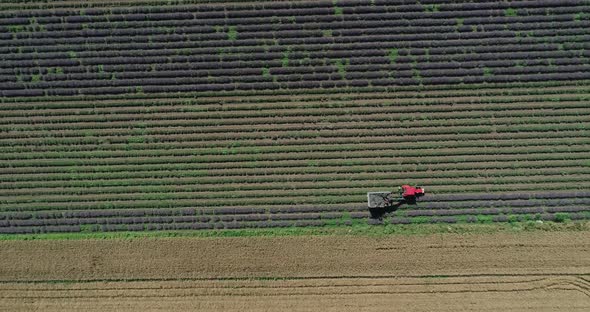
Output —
<point x="539" y="271"/>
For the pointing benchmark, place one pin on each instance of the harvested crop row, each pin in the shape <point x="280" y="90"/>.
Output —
<point x="144" y="171"/>
<point x="179" y="164"/>
<point x="114" y="143"/>
<point x="237" y="100"/>
<point x="264" y="130"/>
<point x="357" y="146"/>
<point x="336" y="166"/>
<point x="313" y="97"/>
<point x="181" y="183"/>
<point x="332" y="108"/>
<point x="294" y="116"/>
<point x="558" y="147"/>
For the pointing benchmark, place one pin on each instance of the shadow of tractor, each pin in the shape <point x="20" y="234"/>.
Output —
<point x="378" y="213"/>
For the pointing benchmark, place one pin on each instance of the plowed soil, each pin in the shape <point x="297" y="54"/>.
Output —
<point x="444" y="272"/>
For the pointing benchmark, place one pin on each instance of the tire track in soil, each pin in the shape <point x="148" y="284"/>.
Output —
<point x="540" y="271"/>
<point x="330" y="285"/>
<point x="270" y="292"/>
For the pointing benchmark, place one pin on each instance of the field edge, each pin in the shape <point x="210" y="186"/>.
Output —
<point x="337" y="230"/>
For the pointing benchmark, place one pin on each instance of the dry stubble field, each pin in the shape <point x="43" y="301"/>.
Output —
<point x="448" y="272"/>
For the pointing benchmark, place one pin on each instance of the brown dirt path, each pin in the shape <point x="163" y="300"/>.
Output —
<point x="540" y="271"/>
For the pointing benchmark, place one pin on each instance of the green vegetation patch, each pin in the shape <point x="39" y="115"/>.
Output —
<point x="266" y="72"/>
<point x="393" y="55"/>
<point x="510" y="12"/>
<point x="354" y="229"/>
<point x="232" y="33"/>
<point x="432" y="8"/>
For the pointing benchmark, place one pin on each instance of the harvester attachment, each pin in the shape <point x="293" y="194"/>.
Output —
<point x="379" y="199"/>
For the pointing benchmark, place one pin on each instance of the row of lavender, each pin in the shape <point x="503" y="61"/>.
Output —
<point x="553" y="206"/>
<point x="376" y="70"/>
<point x="369" y="59"/>
<point x="214" y="36"/>
<point x="163" y="6"/>
<point x="320" y="11"/>
<point x="298" y="85"/>
<point x="321" y="44"/>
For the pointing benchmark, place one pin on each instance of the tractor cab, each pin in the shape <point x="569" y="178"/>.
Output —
<point x="410" y="192"/>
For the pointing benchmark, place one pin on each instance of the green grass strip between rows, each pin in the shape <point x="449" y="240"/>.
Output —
<point x="334" y="230"/>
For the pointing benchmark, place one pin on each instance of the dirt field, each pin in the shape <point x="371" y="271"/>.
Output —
<point x="485" y="272"/>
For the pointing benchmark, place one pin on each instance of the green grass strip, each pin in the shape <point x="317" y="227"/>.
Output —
<point x="334" y="230"/>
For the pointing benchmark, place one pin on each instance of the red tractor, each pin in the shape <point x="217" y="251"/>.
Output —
<point x="407" y="195"/>
<point x="410" y="192"/>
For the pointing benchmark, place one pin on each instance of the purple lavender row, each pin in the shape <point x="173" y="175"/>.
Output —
<point x="446" y="21"/>
<point x="100" y="213"/>
<point x="504" y="203"/>
<point x="319" y="72"/>
<point x="193" y="30"/>
<point x="506" y="196"/>
<point x="495" y="211"/>
<point x="108" y="213"/>
<point x="474" y="219"/>
<point x="361" y="53"/>
<point x="185" y="219"/>
<point x="162" y="227"/>
<point x="275" y="8"/>
<point x="495" y="34"/>
<point x="249" y="34"/>
<point x="40" y="229"/>
<point x="203" y="226"/>
<point x="259" y="81"/>
<point x="189" y="87"/>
